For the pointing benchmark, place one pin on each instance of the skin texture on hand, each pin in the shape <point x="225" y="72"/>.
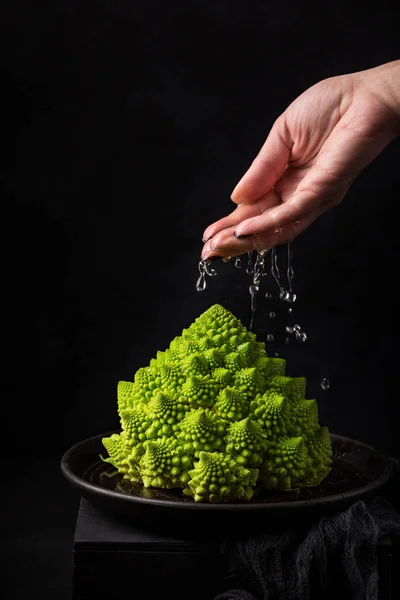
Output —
<point x="312" y="155"/>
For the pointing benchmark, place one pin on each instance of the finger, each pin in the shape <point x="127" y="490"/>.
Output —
<point x="313" y="194"/>
<point x="227" y="245"/>
<point x="284" y="235"/>
<point x="242" y="212"/>
<point x="267" y="167"/>
<point x="272" y="220"/>
<point x="223" y="243"/>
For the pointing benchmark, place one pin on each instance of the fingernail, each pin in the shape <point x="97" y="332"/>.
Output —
<point x="204" y="240"/>
<point x="242" y="236"/>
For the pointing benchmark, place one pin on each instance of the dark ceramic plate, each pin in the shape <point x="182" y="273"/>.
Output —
<point x="358" y="471"/>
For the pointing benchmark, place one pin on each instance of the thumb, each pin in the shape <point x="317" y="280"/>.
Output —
<point x="267" y="167"/>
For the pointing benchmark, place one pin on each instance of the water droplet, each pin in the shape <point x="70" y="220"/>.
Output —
<point x="275" y="269"/>
<point x="284" y="295"/>
<point x="258" y="269"/>
<point x="201" y="284"/>
<point x="325" y="384"/>
<point x="249" y="267"/>
<point x="205" y="268"/>
<point x="289" y="272"/>
<point x="208" y="269"/>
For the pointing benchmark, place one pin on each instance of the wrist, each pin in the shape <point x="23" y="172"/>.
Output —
<point x="384" y="82"/>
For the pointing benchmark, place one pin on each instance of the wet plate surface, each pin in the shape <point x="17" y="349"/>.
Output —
<point x="357" y="472"/>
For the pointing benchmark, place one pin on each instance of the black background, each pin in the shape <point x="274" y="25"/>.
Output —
<point x="125" y="127"/>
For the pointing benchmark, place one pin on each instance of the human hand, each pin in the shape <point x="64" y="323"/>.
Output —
<point x="312" y="155"/>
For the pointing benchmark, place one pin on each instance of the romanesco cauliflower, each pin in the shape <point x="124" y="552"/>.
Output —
<point x="217" y="417"/>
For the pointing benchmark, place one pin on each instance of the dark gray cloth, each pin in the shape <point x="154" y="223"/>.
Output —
<point x="335" y="558"/>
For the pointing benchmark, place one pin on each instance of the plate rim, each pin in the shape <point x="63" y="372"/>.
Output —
<point x="85" y="486"/>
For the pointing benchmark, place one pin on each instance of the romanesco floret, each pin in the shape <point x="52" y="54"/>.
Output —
<point x="217" y="417"/>
<point x="218" y="478"/>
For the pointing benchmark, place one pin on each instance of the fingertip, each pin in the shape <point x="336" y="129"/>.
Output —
<point x="237" y="195"/>
<point x="242" y="236"/>
<point x="234" y="196"/>
<point x="249" y="189"/>
<point x="245" y="228"/>
<point x="207" y="234"/>
<point x="240" y="190"/>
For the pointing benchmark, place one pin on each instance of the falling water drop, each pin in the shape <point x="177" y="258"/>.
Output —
<point x="275" y="269"/>
<point x="258" y="269"/>
<point x="325" y="385"/>
<point x="290" y="271"/>
<point x="201" y="281"/>
<point x="249" y="267"/>
<point x="284" y="295"/>
<point x="205" y="268"/>
<point x="253" y="289"/>
<point x="296" y="330"/>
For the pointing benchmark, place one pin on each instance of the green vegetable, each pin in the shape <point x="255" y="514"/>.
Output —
<point x="217" y="417"/>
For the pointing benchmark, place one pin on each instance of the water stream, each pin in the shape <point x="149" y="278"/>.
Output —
<point x="259" y="268"/>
